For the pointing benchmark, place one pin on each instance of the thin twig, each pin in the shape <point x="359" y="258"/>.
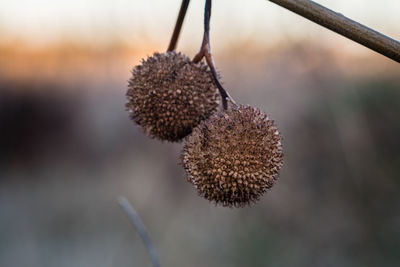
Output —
<point x="344" y="26"/>
<point x="178" y="25"/>
<point x="140" y="228"/>
<point x="205" y="51"/>
<point x="205" y="45"/>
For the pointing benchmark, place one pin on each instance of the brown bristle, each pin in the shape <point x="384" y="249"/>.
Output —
<point x="233" y="157"/>
<point x="169" y="95"/>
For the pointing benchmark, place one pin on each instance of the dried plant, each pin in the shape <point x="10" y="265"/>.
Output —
<point x="231" y="158"/>
<point x="234" y="155"/>
<point x="168" y="95"/>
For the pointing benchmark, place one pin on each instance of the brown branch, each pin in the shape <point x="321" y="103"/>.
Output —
<point x="205" y="51"/>
<point x="178" y="25"/>
<point x="344" y="26"/>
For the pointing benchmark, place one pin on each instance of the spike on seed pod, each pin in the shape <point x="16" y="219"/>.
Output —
<point x="233" y="157"/>
<point x="168" y="95"/>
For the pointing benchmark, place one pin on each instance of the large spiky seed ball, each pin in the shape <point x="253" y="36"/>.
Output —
<point x="234" y="157"/>
<point x="168" y="95"/>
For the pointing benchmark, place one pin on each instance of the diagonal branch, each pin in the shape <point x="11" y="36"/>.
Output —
<point x="178" y="25"/>
<point x="344" y="26"/>
<point x="140" y="228"/>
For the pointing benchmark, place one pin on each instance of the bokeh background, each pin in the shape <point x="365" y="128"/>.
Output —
<point x="68" y="148"/>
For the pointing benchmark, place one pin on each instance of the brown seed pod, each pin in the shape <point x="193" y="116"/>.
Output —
<point x="233" y="157"/>
<point x="168" y="95"/>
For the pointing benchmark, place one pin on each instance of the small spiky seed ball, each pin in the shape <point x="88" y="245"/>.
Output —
<point x="234" y="157"/>
<point x="168" y="95"/>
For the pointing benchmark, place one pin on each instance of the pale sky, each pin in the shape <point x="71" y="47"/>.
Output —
<point x="132" y="20"/>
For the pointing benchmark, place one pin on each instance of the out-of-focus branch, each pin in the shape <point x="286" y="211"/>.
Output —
<point x="140" y="228"/>
<point x="344" y="26"/>
<point x="178" y="25"/>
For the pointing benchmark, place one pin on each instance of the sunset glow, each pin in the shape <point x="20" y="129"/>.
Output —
<point x="43" y="21"/>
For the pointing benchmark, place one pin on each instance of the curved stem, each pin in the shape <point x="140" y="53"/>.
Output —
<point x="224" y="94"/>
<point x="140" y="228"/>
<point x="178" y="25"/>
<point x="205" y="51"/>
<point x="344" y="26"/>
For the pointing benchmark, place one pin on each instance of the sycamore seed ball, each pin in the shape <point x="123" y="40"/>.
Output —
<point x="168" y="95"/>
<point x="233" y="157"/>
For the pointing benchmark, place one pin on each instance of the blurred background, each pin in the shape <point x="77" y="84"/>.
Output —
<point x="68" y="148"/>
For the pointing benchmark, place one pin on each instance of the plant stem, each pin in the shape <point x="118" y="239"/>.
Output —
<point x="344" y="26"/>
<point x="178" y="25"/>
<point x="205" y="51"/>
<point x="140" y="228"/>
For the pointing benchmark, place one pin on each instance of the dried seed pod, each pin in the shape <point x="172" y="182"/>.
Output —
<point x="233" y="157"/>
<point x="168" y="95"/>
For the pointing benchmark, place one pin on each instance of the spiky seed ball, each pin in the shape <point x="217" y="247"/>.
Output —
<point x="234" y="157"/>
<point x="168" y="95"/>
